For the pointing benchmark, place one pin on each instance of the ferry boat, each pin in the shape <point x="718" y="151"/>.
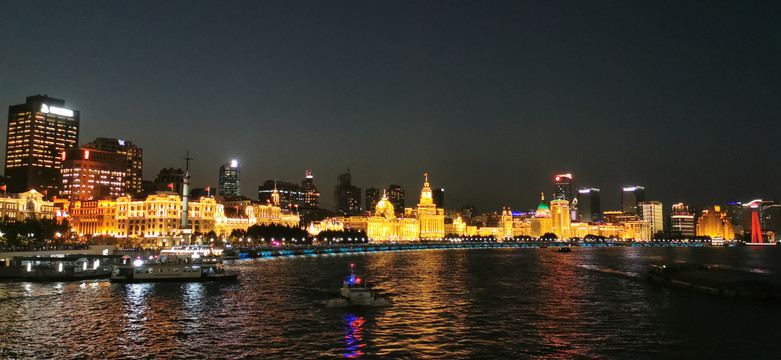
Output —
<point x="355" y="291"/>
<point x="180" y="263"/>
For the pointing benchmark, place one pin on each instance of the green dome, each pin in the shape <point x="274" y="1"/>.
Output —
<point x="543" y="206"/>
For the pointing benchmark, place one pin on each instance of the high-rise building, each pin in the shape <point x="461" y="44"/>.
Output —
<point x="170" y="179"/>
<point x="682" y="220"/>
<point x="589" y="207"/>
<point x="38" y="132"/>
<point x="311" y="195"/>
<point x="372" y="197"/>
<point x="396" y="197"/>
<point x="89" y="174"/>
<point x="439" y="197"/>
<point x="133" y="156"/>
<point x="563" y="187"/>
<point x="229" y="182"/>
<point x="630" y="197"/>
<point x="347" y="197"/>
<point x="560" y="218"/>
<point x="290" y="195"/>
<point x="735" y="213"/>
<point x="651" y="211"/>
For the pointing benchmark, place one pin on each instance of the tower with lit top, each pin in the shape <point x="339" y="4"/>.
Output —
<point x="229" y="182"/>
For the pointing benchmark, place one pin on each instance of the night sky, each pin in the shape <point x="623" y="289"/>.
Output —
<point x="491" y="98"/>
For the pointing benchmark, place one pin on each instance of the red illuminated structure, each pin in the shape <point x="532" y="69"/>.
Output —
<point x="756" y="228"/>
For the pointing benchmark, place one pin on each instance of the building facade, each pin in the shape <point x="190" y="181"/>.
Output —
<point x="229" y="181"/>
<point x="89" y="174"/>
<point x="563" y="187"/>
<point x="651" y="211"/>
<point x="132" y="155"/>
<point x="311" y="195"/>
<point x="27" y="205"/>
<point x="589" y="206"/>
<point x="715" y="223"/>
<point x="630" y="197"/>
<point x="290" y="195"/>
<point x="39" y="131"/>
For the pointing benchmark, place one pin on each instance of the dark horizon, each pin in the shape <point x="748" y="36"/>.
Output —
<point x="490" y="99"/>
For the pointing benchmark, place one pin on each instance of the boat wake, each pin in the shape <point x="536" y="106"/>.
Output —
<point x="608" y="270"/>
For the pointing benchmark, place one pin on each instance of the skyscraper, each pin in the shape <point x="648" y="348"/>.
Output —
<point x="133" y="156"/>
<point x="229" y="181"/>
<point x="560" y="218"/>
<point x="372" y="197"/>
<point x="347" y="197"/>
<point x="630" y="196"/>
<point x="651" y="211"/>
<point x="396" y="197"/>
<point x="39" y="131"/>
<point x="89" y="174"/>
<point x="589" y="207"/>
<point x="563" y="187"/>
<point x="439" y="197"/>
<point x="682" y="220"/>
<point x="311" y="195"/>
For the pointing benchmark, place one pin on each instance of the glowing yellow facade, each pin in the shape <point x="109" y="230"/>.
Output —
<point x="429" y="217"/>
<point x="714" y="223"/>
<point x="160" y="215"/>
<point x="26" y="205"/>
<point x="560" y="218"/>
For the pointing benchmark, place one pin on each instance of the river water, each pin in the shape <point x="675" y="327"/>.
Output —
<point x="442" y="304"/>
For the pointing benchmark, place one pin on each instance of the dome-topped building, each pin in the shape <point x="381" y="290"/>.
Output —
<point x="426" y="222"/>
<point x="384" y="208"/>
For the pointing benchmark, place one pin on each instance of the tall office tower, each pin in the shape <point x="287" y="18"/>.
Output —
<point x="89" y="174"/>
<point x="682" y="221"/>
<point x="651" y="211"/>
<point x="630" y="197"/>
<point x="439" y="197"/>
<point x="347" y="197"/>
<point x="133" y="155"/>
<point x="311" y="195"/>
<point x="735" y="213"/>
<point x="396" y="197"/>
<point x="170" y="179"/>
<point x="290" y="194"/>
<point x="589" y="207"/>
<point x="563" y="187"/>
<point x="560" y="218"/>
<point x="38" y="132"/>
<point x="372" y="197"/>
<point x="229" y="181"/>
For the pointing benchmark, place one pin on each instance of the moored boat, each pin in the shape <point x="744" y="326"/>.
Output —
<point x="188" y="263"/>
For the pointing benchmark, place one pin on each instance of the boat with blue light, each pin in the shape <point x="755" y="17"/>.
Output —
<point x="355" y="290"/>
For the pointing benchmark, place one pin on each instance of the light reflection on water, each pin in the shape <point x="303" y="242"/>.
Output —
<point x="487" y="303"/>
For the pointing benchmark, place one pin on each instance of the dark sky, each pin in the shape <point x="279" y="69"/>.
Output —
<point x="491" y="98"/>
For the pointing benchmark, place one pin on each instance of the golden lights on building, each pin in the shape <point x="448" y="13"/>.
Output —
<point x="715" y="223"/>
<point x="160" y="215"/>
<point x="26" y="205"/>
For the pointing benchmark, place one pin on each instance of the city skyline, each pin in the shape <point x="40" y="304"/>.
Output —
<point x="491" y="111"/>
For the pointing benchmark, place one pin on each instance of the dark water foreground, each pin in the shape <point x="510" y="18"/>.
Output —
<point x="445" y="304"/>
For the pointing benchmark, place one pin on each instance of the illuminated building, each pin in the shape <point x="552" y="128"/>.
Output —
<point x="439" y="197"/>
<point x="630" y="197"/>
<point x="93" y="174"/>
<point x="651" y="211"/>
<point x="347" y="197"/>
<point x="714" y="223"/>
<point x="38" y="132"/>
<point x="396" y="197"/>
<point x="133" y="160"/>
<point x="332" y="224"/>
<point x="560" y="218"/>
<point x="682" y="221"/>
<point x="159" y="215"/>
<point x="735" y="213"/>
<point x="385" y="226"/>
<point x="27" y="205"/>
<point x="541" y="224"/>
<point x="229" y="181"/>
<point x="170" y="179"/>
<point x="372" y="198"/>
<point x="589" y="207"/>
<point x="455" y="227"/>
<point x="431" y="218"/>
<point x="291" y="195"/>
<point x="563" y="187"/>
<point x="311" y="195"/>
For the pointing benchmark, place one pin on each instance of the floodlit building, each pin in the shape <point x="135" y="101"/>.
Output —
<point x="38" y="132"/>
<point x="682" y="221"/>
<point x="229" y="183"/>
<point x="27" y="205"/>
<point x="89" y="174"/>
<point x="132" y="156"/>
<point x="715" y="223"/>
<point x="560" y="218"/>
<point x="651" y="211"/>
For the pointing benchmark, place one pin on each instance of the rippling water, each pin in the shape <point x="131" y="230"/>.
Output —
<point x="451" y="304"/>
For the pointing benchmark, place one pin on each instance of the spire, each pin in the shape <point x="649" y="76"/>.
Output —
<point x="542" y="196"/>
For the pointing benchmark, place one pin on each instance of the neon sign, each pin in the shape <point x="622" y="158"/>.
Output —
<point x="46" y="109"/>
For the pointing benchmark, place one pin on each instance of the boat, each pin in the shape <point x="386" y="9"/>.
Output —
<point x="564" y="249"/>
<point x="355" y="291"/>
<point x="57" y="267"/>
<point x="181" y="263"/>
<point x="717" y="280"/>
